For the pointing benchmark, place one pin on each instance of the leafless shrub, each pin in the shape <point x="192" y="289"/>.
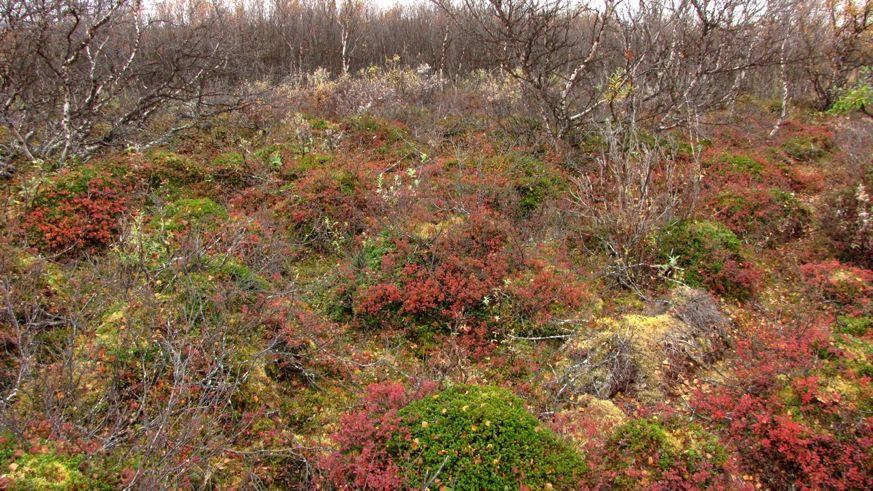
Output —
<point x="699" y="310"/>
<point x="703" y="337"/>
<point x="547" y="45"/>
<point x="605" y="369"/>
<point x="644" y="354"/>
<point x="159" y="375"/>
<point x="633" y="190"/>
<point x="80" y="75"/>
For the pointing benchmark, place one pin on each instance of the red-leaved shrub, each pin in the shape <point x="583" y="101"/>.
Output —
<point x="844" y="284"/>
<point x="64" y="220"/>
<point x="787" y="428"/>
<point x="361" y="460"/>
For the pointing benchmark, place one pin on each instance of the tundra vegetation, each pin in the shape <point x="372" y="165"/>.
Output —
<point x="464" y="244"/>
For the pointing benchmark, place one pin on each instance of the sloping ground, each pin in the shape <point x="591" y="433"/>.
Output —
<point x="285" y="308"/>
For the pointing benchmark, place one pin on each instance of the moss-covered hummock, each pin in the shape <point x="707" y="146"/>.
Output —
<point x="643" y="354"/>
<point x="656" y="451"/>
<point x="470" y="437"/>
<point x="47" y="471"/>
<point x="193" y="212"/>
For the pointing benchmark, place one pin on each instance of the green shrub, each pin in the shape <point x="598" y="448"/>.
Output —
<point x="481" y="438"/>
<point x="856" y="326"/>
<point x="858" y="98"/>
<point x="271" y="156"/>
<point x="708" y="254"/>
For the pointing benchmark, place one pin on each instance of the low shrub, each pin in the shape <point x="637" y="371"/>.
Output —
<point x="72" y="217"/>
<point x="326" y="208"/>
<point x="847" y="220"/>
<point x="651" y="454"/>
<point x="709" y="255"/>
<point x="363" y="459"/>
<point x="432" y="280"/>
<point x="761" y="213"/>
<point x="470" y="437"/>
<point x="844" y="284"/>
<point x="796" y="415"/>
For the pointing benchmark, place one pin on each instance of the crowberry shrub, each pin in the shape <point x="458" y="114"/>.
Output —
<point x="847" y="220"/>
<point x="709" y="254"/>
<point x="760" y="213"/>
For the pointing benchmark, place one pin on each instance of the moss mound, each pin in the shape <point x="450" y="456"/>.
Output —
<point x="646" y="355"/>
<point x="806" y="148"/>
<point x="469" y="437"/>
<point x="47" y="471"/>
<point x="200" y="212"/>
<point x="663" y="452"/>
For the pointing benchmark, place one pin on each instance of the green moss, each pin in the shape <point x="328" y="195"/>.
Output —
<point x="743" y="164"/>
<point x="237" y="272"/>
<point x="535" y="184"/>
<point x="674" y="445"/>
<point x="482" y="438"/>
<point x="121" y="334"/>
<point x="804" y="148"/>
<point x="48" y="471"/>
<point x="305" y="163"/>
<point x="229" y="159"/>
<point x="856" y="326"/>
<point x="348" y="182"/>
<point x="319" y="123"/>
<point x="701" y="248"/>
<point x="313" y="161"/>
<point x="229" y="168"/>
<point x="369" y="124"/>
<point x="271" y="156"/>
<point x="193" y="212"/>
<point x="174" y="169"/>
